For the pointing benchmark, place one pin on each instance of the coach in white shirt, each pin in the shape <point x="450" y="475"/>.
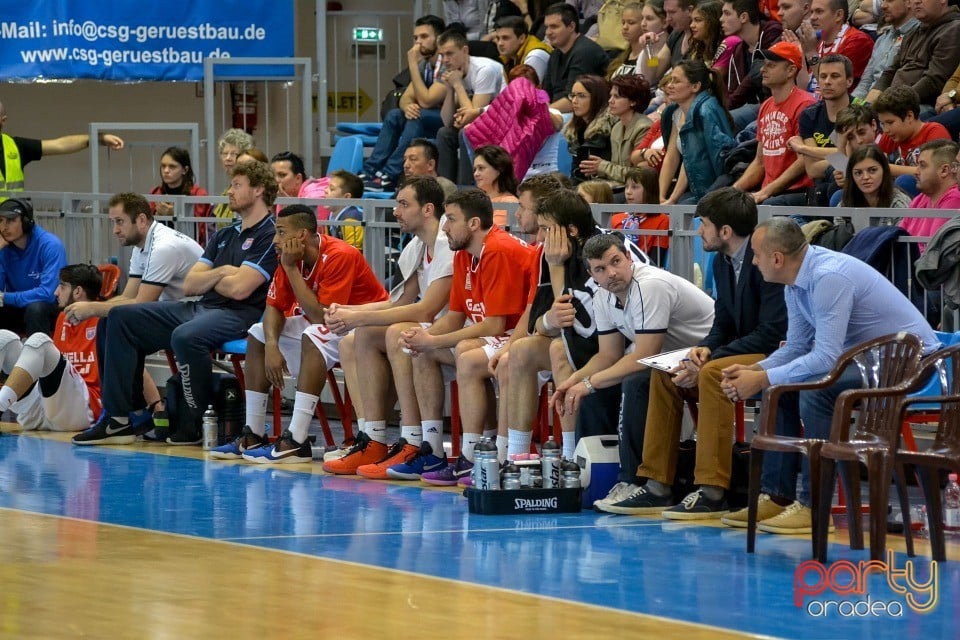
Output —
<point x="161" y="259"/>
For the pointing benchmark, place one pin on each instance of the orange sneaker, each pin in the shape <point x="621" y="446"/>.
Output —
<point x="364" y="452"/>
<point x="399" y="453"/>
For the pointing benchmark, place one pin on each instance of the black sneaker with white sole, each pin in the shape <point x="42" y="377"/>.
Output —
<point x="640" y="501"/>
<point x="698" y="506"/>
<point x="106" y="430"/>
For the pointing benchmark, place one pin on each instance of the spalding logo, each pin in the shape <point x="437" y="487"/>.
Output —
<point x="541" y="504"/>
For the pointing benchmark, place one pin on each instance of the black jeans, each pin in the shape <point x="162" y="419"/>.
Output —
<point x="189" y="329"/>
<point x="36" y="317"/>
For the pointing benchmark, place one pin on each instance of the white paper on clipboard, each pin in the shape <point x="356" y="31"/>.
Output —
<point x="667" y="360"/>
<point x="838" y="161"/>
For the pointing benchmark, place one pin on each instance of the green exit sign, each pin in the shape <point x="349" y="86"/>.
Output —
<point x="367" y="34"/>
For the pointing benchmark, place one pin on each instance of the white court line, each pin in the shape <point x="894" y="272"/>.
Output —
<point x="442" y="531"/>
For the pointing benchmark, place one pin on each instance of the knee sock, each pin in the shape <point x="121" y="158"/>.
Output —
<point x="413" y="434"/>
<point x="519" y="441"/>
<point x="466" y="448"/>
<point x="256" y="411"/>
<point x="304" y="406"/>
<point x="377" y="430"/>
<point x="503" y="446"/>
<point x="7" y="398"/>
<point x="433" y="434"/>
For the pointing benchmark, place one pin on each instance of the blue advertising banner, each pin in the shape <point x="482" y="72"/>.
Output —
<point x="129" y="41"/>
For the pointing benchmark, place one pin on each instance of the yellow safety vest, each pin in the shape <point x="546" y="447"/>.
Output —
<point x="13" y="181"/>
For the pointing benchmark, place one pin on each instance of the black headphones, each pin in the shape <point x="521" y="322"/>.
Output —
<point x="23" y="208"/>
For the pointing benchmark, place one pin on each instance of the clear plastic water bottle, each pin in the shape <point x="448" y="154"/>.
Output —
<point x="550" y="464"/>
<point x="569" y="475"/>
<point x="951" y="508"/>
<point x="485" y="457"/>
<point x="536" y="478"/>
<point x="511" y="477"/>
<point x="210" y="426"/>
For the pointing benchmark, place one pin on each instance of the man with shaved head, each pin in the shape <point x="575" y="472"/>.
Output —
<point x="834" y="302"/>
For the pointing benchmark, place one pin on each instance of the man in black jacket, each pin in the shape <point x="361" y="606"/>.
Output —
<point x="750" y="320"/>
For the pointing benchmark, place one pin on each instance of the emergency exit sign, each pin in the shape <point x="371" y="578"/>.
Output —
<point x="367" y="34"/>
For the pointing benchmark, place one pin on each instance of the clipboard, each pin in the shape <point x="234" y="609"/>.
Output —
<point x="667" y="360"/>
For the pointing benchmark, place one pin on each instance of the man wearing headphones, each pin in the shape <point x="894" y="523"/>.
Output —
<point x="30" y="262"/>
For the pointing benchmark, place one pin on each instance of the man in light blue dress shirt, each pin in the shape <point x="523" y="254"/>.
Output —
<point x="834" y="302"/>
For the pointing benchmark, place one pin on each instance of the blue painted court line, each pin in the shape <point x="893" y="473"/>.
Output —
<point x="675" y="570"/>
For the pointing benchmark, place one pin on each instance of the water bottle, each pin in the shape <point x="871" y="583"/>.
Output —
<point x="485" y="457"/>
<point x="210" y="426"/>
<point x="951" y="508"/>
<point x="550" y="464"/>
<point x="511" y="477"/>
<point x="536" y="477"/>
<point x="569" y="475"/>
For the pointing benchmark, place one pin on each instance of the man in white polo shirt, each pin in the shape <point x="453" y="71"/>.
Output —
<point x="640" y="311"/>
<point x="160" y="261"/>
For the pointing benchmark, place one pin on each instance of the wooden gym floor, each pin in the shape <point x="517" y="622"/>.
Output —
<point x="150" y="541"/>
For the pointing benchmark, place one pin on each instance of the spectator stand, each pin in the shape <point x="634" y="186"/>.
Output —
<point x="355" y="76"/>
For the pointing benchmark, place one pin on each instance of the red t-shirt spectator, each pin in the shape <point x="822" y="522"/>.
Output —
<point x="907" y="152"/>
<point x="777" y="123"/>
<point x="852" y="43"/>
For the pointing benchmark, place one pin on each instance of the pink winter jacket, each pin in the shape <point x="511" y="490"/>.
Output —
<point x="518" y="120"/>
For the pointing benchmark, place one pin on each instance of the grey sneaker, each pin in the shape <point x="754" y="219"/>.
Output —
<point x="697" y="506"/>
<point x="640" y="501"/>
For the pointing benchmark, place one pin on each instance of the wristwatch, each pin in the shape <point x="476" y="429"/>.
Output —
<point x="952" y="94"/>
<point x="813" y="61"/>
<point x="586" y="383"/>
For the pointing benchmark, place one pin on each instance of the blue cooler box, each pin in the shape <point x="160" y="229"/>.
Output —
<point x="599" y="460"/>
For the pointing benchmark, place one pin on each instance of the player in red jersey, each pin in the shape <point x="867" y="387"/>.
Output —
<point x="52" y="383"/>
<point x="487" y="297"/>
<point x="315" y="271"/>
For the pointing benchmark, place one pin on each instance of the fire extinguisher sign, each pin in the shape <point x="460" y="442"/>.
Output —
<point x="137" y="41"/>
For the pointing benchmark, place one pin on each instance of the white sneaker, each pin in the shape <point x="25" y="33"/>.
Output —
<point x="337" y="453"/>
<point x="617" y="493"/>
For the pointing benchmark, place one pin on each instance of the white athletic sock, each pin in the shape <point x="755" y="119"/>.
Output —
<point x="377" y="430"/>
<point x="519" y="441"/>
<point x="257" y="411"/>
<point x="433" y="433"/>
<point x="502" y="448"/>
<point x="569" y="446"/>
<point x="361" y="425"/>
<point x="7" y="397"/>
<point x="413" y="434"/>
<point x="466" y="448"/>
<point x="304" y="405"/>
